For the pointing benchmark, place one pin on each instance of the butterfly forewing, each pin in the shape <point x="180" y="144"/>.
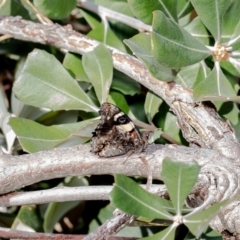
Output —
<point x="116" y="134"/>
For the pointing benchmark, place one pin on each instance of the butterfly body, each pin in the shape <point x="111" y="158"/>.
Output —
<point x="116" y="134"/>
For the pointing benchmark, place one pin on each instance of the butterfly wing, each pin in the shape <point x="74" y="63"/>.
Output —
<point x="116" y="134"/>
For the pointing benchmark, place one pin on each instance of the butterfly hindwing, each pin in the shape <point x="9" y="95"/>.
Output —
<point x="116" y="134"/>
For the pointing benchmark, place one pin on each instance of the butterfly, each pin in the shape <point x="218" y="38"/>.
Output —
<point x="116" y="134"/>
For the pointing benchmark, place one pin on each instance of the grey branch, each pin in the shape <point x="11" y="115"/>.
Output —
<point x="200" y="124"/>
<point x="64" y="194"/>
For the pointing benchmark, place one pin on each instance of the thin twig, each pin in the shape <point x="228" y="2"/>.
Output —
<point x="7" y="233"/>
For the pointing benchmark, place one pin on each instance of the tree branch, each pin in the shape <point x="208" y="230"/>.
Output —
<point x="19" y="171"/>
<point x="64" y="194"/>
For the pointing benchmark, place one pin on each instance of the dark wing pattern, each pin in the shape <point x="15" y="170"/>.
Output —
<point x="116" y="134"/>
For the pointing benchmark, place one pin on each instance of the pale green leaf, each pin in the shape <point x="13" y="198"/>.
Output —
<point x="184" y="8"/>
<point x="170" y="127"/>
<point x="125" y="84"/>
<point x="55" y="9"/>
<point x="13" y="8"/>
<point x="44" y="82"/>
<point x="235" y="62"/>
<point x="209" y="234"/>
<point x="215" y="87"/>
<point x="118" y="99"/>
<point x="166" y="234"/>
<point x="98" y="66"/>
<point x="103" y="33"/>
<point x="230" y="70"/>
<point x="173" y="46"/>
<point x="27" y="219"/>
<point x="143" y="9"/>
<point x="73" y="64"/>
<point x="203" y="72"/>
<point x="229" y="110"/>
<point x="133" y="199"/>
<point x="211" y="14"/>
<point x="179" y="178"/>
<point x="81" y="135"/>
<point x="36" y="137"/>
<point x="140" y="45"/>
<point x="118" y="6"/>
<point x="230" y="21"/>
<point x="191" y="75"/>
<point x="151" y="105"/>
<point x="198" y="30"/>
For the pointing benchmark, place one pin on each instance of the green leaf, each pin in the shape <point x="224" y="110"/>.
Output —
<point x="125" y="84"/>
<point x="133" y="199"/>
<point x="203" y="72"/>
<point x="13" y="8"/>
<point x="230" y="20"/>
<point x="166" y="234"/>
<point x="143" y="9"/>
<point x="28" y="218"/>
<point x="179" y="178"/>
<point x="107" y="36"/>
<point x="229" y="110"/>
<point x="73" y="64"/>
<point x="191" y="75"/>
<point x="55" y="118"/>
<point x="36" y="137"/>
<point x="140" y="45"/>
<point x="215" y="87"/>
<point x="98" y="66"/>
<point x="230" y="70"/>
<point x="211" y="14"/>
<point x="105" y="214"/>
<point x="234" y="41"/>
<point x="173" y="46"/>
<point x="151" y="105"/>
<point x="209" y="234"/>
<point x="171" y="128"/>
<point x="117" y="6"/>
<point x="81" y="135"/>
<point x="43" y="82"/>
<point x="55" y="211"/>
<point x="119" y="100"/>
<point x="236" y="63"/>
<point x="198" y="222"/>
<point x="55" y="9"/>
<point x="184" y="7"/>
<point x="103" y="33"/>
<point x="198" y="30"/>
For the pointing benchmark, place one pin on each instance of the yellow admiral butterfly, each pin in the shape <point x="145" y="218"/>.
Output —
<point x="116" y="134"/>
